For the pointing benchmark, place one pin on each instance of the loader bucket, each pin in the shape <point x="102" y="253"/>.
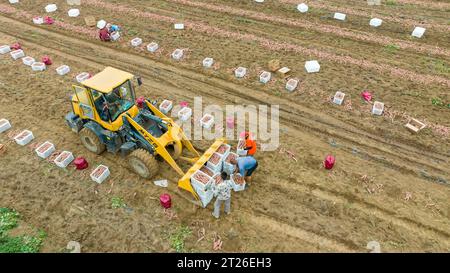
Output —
<point x="185" y="181"/>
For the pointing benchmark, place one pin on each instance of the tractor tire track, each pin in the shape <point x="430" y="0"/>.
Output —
<point x="364" y="206"/>
<point x="282" y="227"/>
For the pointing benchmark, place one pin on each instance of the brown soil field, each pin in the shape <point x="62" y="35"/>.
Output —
<point x="388" y="184"/>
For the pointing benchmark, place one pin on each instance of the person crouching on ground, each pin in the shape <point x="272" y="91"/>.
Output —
<point x="245" y="166"/>
<point x="222" y="192"/>
<point x="104" y="34"/>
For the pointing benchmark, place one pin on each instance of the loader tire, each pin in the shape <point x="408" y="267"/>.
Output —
<point x="91" y="141"/>
<point x="143" y="163"/>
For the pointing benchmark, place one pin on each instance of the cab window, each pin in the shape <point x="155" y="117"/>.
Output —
<point x="100" y="105"/>
<point x="120" y="100"/>
<point x="84" y="101"/>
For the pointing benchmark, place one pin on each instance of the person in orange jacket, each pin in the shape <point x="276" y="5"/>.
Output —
<point x="250" y="144"/>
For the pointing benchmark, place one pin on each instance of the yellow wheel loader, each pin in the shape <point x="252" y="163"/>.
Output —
<point x="106" y="117"/>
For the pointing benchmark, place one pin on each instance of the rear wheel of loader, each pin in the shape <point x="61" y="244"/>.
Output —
<point x="143" y="163"/>
<point x="91" y="141"/>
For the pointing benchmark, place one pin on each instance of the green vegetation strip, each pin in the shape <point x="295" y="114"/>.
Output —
<point x="17" y="244"/>
<point x="177" y="239"/>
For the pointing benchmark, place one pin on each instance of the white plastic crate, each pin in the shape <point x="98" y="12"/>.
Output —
<point x="152" y="47"/>
<point x="82" y="77"/>
<point x="101" y="24"/>
<point x="216" y="180"/>
<point x="265" y="77"/>
<point x="236" y="186"/>
<point x="339" y="16"/>
<point x="312" y="66"/>
<point x="136" y="42"/>
<point x="207" y="121"/>
<point x="5" y="49"/>
<point x="115" y="36"/>
<point x="63" y="70"/>
<point x="38" y="20"/>
<point x="240" y="148"/>
<point x="73" y="12"/>
<point x="178" y="26"/>
<point x="378" y="108"/>
<point x="64" y="159"/>
<point x="185" y="114"/>
<point x="13" y="1"/>
<point x="38" y="66"/>
<point x="291" y="85"/>
<point x="228" y="167"/>
<point x="205" y="195"/>
<point x="100" y="174"/>
<point x="223" y="150"/>
<point x="4" y="125"/>
<point x="302" y="7"/>
<point x="24" y="137"/>
<point x="375" y="22"/>
<point x="51" y="8"/>
<point x="208" y="62"/>
<point x="17" y="54"/>
<point x="45" y="150"/>
<point x="28" y="60"/>
<point x="165" y="106"/>
<point x="177" y="54"/>
<point x="215" y="167"/>
<point x="259" y="1"/>
<point x="338" y="98"/>
<point x="197" y="182"/>
<point x="418" y="32"/>
<point x="240" y="72"/>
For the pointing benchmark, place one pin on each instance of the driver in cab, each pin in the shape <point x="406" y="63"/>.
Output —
<point x="113" y="101"/>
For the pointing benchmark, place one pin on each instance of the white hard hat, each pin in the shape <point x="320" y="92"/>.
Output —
<point x="101" y="24"/>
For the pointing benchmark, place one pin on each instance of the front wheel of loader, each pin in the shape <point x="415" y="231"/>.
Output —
<point x="91" y="141"/>
<point x="143" y="163"/>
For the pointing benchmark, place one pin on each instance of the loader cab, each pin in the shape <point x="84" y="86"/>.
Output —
<point x="106" y="97"/>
